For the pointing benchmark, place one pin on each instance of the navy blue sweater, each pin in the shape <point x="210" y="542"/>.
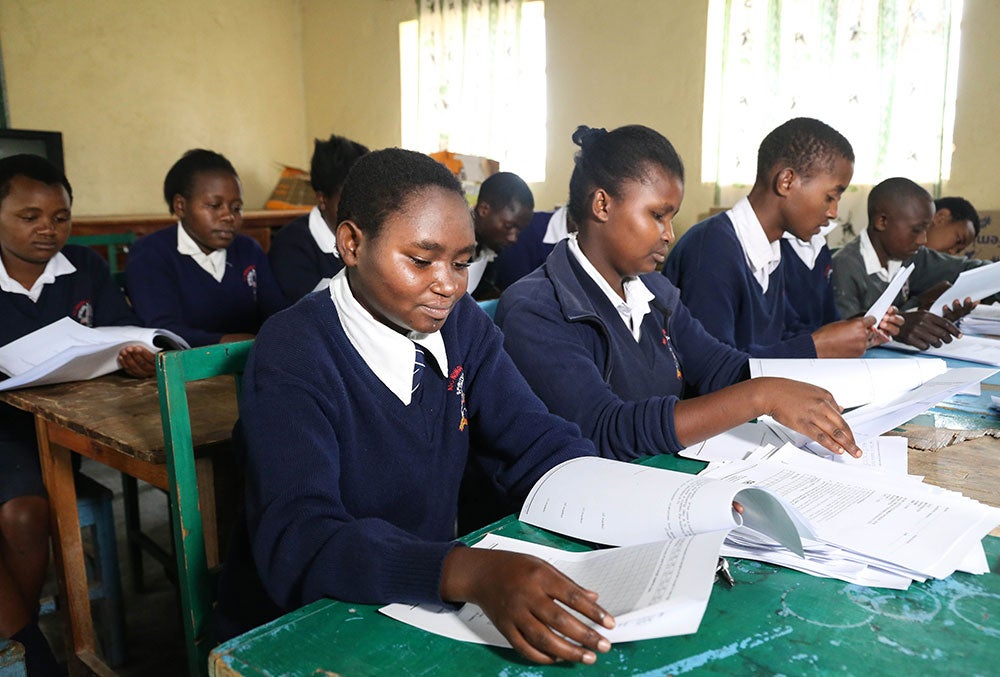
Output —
<point x="809" y="291"/>
<point x="349" y="493"/>
<point x="170" y="291"/>
<point x="573" y="348"/>
<point x="297" y="261"/>
<point x="89" y="296"/>
<point x="717" y="286"/>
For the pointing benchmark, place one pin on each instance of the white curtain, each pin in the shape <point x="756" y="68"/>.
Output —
<point x="471" y="95"/>
<point x="882" y="72"/>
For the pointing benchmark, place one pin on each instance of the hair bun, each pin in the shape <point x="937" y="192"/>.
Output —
<point x="584" y="136"/>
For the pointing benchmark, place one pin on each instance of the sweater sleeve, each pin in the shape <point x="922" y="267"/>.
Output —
<point x="155" y="291"/>
<point x="559" y="360"/>
<point x="306" y="544"/>
<point x="708" y="364"/>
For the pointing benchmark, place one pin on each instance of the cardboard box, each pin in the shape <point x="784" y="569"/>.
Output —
<point x="293" y="190"/>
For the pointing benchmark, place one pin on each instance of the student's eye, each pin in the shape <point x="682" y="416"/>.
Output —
<point x="62" y="218"/>
<point x="29" y="217"/>
<point x="215" y="205"/>
<point x="659" y="216"/>
<point x="462" y="265"/>
<point x="236" y="209"/>
<point x="420" y="263"/>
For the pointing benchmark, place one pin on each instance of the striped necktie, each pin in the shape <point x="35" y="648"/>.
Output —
<point x="418" y="367"/>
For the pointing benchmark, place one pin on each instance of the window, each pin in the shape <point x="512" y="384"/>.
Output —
<point x="882" y="73"/>
<point x="473" y="81"/>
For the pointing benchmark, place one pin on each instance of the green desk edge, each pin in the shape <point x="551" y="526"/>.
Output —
<point x="774" y="621"/>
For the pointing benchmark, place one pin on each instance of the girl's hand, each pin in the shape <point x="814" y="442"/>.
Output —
<point x="844" y="338"/>
<point x="137" y="361"/>
<point x="811" y="411"/>
<point x="519" y="594"/>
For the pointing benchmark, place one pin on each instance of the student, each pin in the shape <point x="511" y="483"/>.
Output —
<point x="533" y="246"/>
<point x="899" y="214"/>
<point x="808" y="267"/>
<point x="354" y="456"/>
<point x="303" y="254"/>
<point x="201" y="279"/>
<point x="955" y="226"/>
<point x="606" y="342"/>
<point x="729" y="267"/>
<point x="503" y="209"/>
<point x="42" y="280"/>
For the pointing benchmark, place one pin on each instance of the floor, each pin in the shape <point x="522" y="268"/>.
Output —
<point x="153" y="632"/>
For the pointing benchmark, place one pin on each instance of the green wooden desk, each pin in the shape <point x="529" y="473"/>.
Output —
<point x="775" y="621"/>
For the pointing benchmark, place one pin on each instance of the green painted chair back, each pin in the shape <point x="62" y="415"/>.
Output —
<point x="174" y="369"/>
<point x="114" y="242"/>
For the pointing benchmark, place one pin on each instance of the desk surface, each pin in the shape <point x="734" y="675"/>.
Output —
<point x="123" y="413"/>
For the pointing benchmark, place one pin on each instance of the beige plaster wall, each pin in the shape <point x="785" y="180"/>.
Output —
<point x="132" y="85"/>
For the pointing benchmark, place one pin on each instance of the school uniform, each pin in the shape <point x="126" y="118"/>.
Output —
<point x="352" y="477"/>
<point x="303" y="255"/>
<point x="859" y="277"/>
<point x="532" y="247"/>
<point x="75" y="283"/>
<point x="173" y="285"/>
<point x="808" y="288"/>
<point x="477" y="270"/>
<point x="615" y="368"/>
<point x="731" y="279"/>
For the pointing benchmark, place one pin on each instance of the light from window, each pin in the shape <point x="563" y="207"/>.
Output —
<point x="496" y="111"/>
<point x="883" y="74"/>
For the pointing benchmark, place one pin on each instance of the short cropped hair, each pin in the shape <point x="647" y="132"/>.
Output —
<point x="893" y="192"/>
<point x="181" y="177"/>
<point x="331" y="160"/>
<point x="608" y="159"/>
<point x="381" y="182"/>
<point x="806" y="145"/>
<point x="503" y="189"/>
<point x="33" y="167"/>
<point x="961" y="210"/>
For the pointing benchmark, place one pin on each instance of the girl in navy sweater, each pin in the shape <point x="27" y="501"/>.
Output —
<point x="354" y="455"/>
<point x="201" y="279"/>
<point x="606" y="342"/>
<point x="42" y="280"/>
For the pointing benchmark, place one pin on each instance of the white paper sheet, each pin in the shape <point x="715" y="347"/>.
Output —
<point x="969" y="348"/>
<point x="853" y="382"/>
<point x="977" y="284"/>
<point x="882" y="303"/>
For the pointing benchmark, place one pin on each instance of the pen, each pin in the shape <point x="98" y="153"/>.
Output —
<point x="722" y="572"/>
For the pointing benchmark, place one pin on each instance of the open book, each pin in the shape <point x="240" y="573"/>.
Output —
<point x="672" y="523"/>
<point x="68" y="351"/>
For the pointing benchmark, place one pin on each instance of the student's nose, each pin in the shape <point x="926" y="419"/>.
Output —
<point x="831" y="213"/>
<point x="922" y="238"/>
<point x="447" y="281"/>
<point x="668" y="233"/>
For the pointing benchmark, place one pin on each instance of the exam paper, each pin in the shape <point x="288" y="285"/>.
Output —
<point x="882" y="303"/>
<point x="853" y="382"/>
<point x="655" y="589"/>
<point x="976" y="283"/>
<point x="969" y="348"/>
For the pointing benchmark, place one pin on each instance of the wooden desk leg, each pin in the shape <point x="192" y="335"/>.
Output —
<point x="71" y="571"/>
<point x="206" y="503"/>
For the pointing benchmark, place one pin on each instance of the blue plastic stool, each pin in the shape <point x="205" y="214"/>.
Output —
<point x="11" y="659"/>
<point x="93" y="502"/>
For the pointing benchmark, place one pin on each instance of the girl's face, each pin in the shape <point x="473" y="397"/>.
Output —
<point x="214" y="213"/>
<point x="34" y="221"/>
<point x="811" y="202"/>
<point x="950" y="237"/>
<point x="414" y="271"/>
<point x="637" y="226"/>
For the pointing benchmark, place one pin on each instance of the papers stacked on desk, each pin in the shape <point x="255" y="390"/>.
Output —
<point x="969" y="348"/>
<point x="983" y="320"/>
<point x="68" y="351"/>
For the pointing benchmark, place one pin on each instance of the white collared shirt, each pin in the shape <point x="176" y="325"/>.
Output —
<point x="557" y="229"/>
<point x="56" y="266"/>
<point x="634" y="307"/>
<point x="761" y="255"/>
<point x="321" y="233"/>
<point x="389" y="354"/>
<point x="214" y="264"/>
<point x="478" y="267"/>
<point x="872" y="265"/>
<point x="809" y="251"/>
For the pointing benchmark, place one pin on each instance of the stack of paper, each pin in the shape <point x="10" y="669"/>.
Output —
<point x="969" y="348"/>
<point x="975" y="284"/>
<point x="983" y="320"/>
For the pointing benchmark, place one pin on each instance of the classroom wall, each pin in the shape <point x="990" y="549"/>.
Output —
<point x="132" y="85"/>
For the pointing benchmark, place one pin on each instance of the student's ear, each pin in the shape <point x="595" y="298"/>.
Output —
<point x="599" y="203"/>
<point x="783" y="181"/>
<point x="942" y="217"/>
<point x="349" y="240"/>
<point x="881" y="222"/>
<point x="179" y="206"/>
